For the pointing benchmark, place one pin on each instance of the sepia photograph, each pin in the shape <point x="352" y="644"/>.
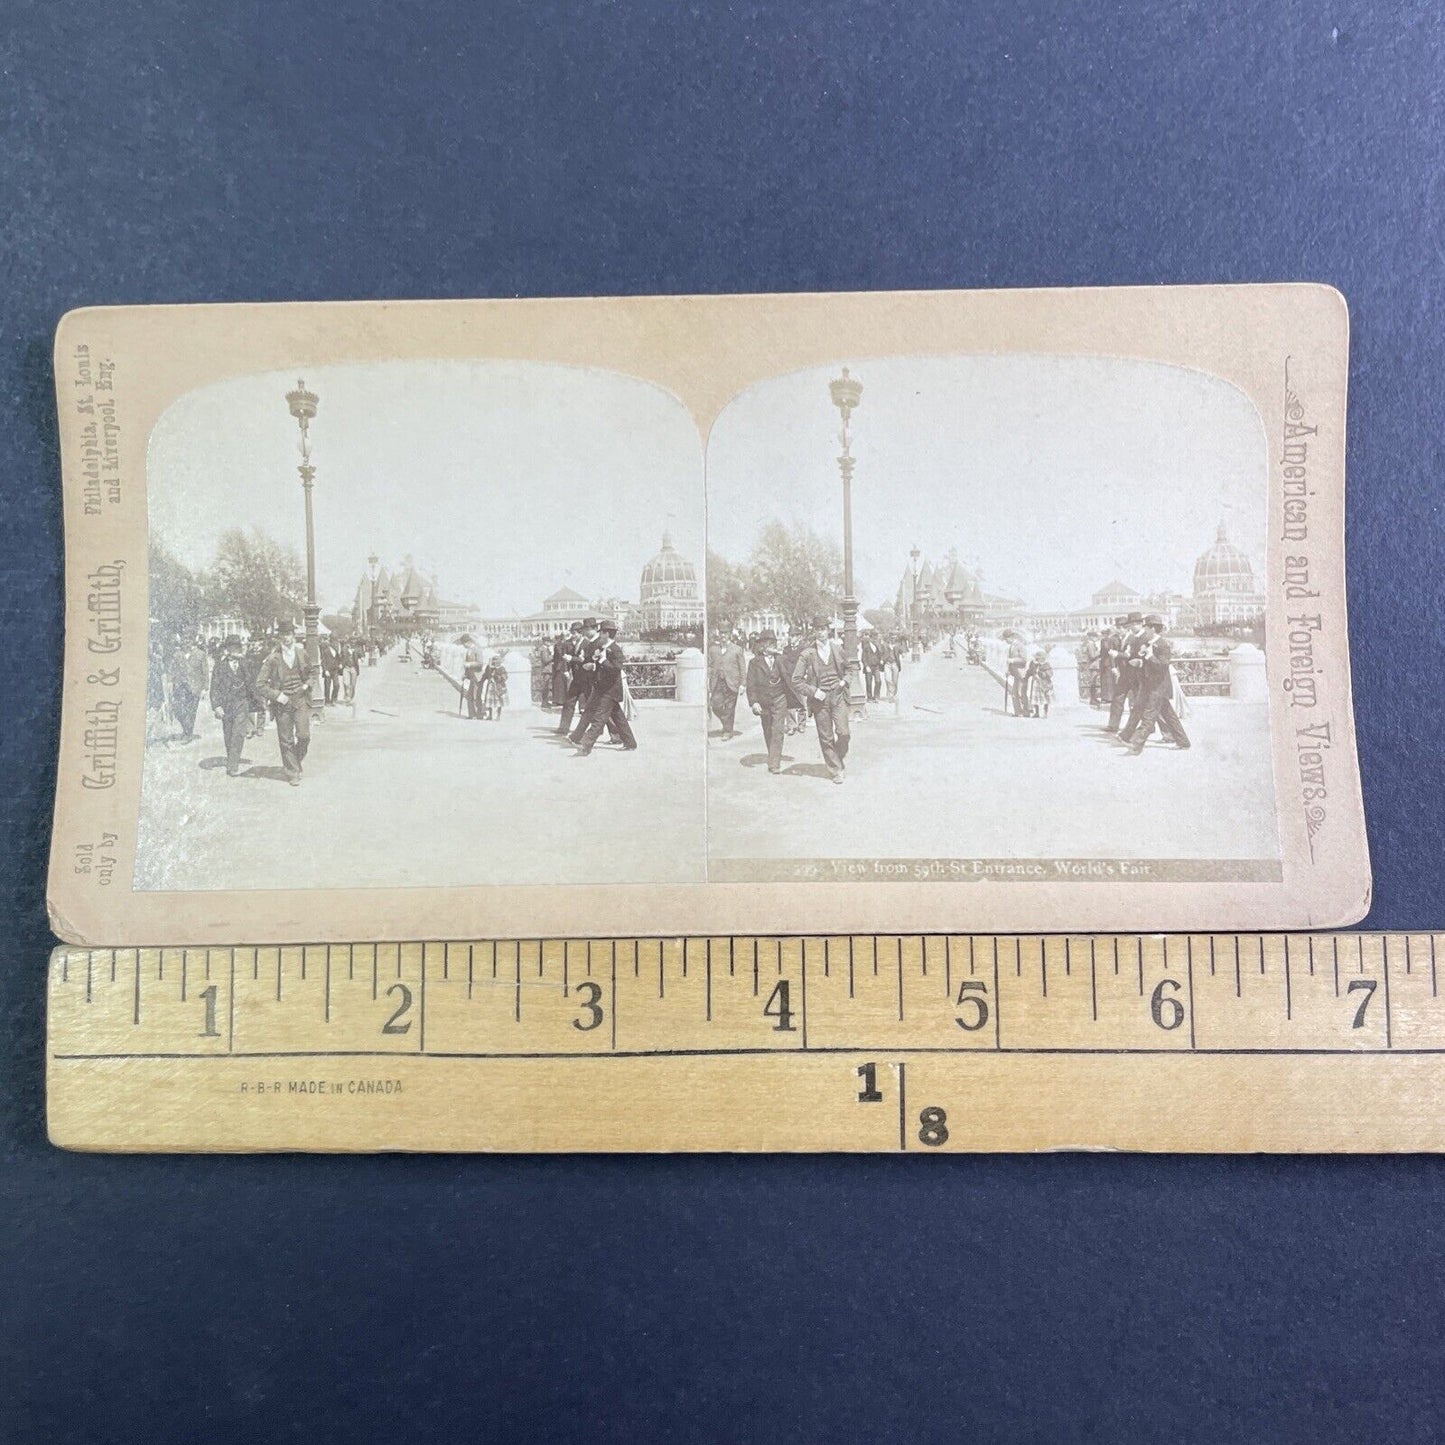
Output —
<point x="649" y="615"/>
<point x="989" y="617"/>
<point x="423" y="623"/>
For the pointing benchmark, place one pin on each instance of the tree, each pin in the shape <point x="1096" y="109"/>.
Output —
<point x="729" y="593"/>
<point x="339" y="624"/>
<point x="796" y="573"/>
<point x="257" y="579"/>
<point x="883" y="618"/>
<point x="177" y="595"/>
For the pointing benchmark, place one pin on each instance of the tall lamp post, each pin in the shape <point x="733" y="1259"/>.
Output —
<point x="303" y="407"/>
<point x="847" y="392"/>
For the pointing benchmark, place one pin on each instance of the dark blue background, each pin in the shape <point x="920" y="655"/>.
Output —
<point x="191" y="152"/>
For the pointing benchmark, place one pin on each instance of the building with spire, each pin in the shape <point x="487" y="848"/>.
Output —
<point x="946" y="593"/>
<point x="405" y="598"/>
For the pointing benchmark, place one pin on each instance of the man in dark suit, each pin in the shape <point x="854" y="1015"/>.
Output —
<point x="285" y="683"/>
<point x="330" y="671"/>
<point x="1155" y="692"/>
<point x="604" y="705"/>
<point x="726" y="670"/>
<point x="1130" y="662"/>
<point x="232" y="701"/>
<point x="562" y="648"/>
<point x="871" y="653"/>
<point x="820" y="677"/>
<point x="770" y="695"/>
<point x="579" y="675"/>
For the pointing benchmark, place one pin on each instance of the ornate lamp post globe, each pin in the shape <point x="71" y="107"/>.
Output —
<point x="847" y="392"/>
<point x="302" y="405"/>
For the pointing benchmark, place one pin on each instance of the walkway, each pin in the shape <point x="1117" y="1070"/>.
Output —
<point x="948" y="775"/>
<point x="403" y="792"/>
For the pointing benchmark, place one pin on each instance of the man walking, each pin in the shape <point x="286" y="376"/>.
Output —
<point x="188" y="684"/>
<point x="871" y="654"/>
<point x="821" y="677"/>
<point x="770" y="695"/>
<point x="1018" y="666"/>
<point x="604" y="706"/>
<point x="563" y="646"/>
<point x="330" y="671"/>
<point x="579" y="674"/>
<point x="285" y="682"/>
<point x="231" y="702"/>
<point x="726" y="673"/>
<point x="1155" y="694"/>
<point x="1129" y="663"/>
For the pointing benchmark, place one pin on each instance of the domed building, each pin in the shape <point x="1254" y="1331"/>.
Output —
<point x="668" y="595"/>
<point x="1225" y="590"/>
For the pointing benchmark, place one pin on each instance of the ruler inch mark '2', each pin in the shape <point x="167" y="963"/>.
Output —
<point x="1159" y="1002"/>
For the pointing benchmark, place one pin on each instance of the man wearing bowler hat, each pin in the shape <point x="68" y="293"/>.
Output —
<point x="584" y="645"/>
<point x="820" y="676"/>
<point x="1156" y="692"/>
<point x="770" y="695"/>
<point x="604" y="705"/>
<point x="285" y="682"/>
<point x="231" y="701"/>
<point x="1130" y="663"/>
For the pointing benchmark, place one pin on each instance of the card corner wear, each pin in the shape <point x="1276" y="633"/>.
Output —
<point x="602" y="617"/>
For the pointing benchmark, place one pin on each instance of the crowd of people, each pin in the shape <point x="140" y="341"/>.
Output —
<point x="1126" y="668"/>
<point x="247" y="683"/>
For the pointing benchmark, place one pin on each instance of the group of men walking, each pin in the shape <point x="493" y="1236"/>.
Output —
<point x="1136" y="679"/>
<point x="282" y="684"/>
<point x="243" y="683"/>
<point x="589" y="682"/>
<point x="783" y="689"/>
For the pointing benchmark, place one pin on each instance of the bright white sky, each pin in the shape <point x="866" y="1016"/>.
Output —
<point x="1054" y="475"/>
<point x="507" y="480"/>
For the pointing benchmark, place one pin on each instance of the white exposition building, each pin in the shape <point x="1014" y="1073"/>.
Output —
<point x="669" y="595"/>
<point x="1225" y="593"/>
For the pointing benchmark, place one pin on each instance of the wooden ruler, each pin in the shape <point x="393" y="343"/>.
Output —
<point x="912" y="1044"/>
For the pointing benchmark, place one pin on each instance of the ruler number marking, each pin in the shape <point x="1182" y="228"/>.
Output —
<point x="208" y="1028"/>
<point x="779" y="1006"/>
<point x="933" y="1126"/>
<point x="394" y="1024"/>
<point x="1164" y="1008"/>
<point x="973" y="993"/>
<point x="592" y="1010"/>
<point x="870" y="1093"/>
<point x="1367" y="987"/>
